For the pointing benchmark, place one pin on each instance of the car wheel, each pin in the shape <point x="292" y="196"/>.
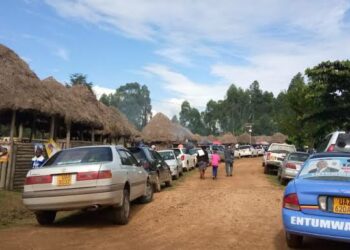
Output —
<point x="45" y="217"/>
<point x="188" y="166"/>
<point x="169" y="182"/>
<point x="293" y="240"/>
<point x="266" y="169"/>
<point x="177" y="174"/>
<point x="149" y="193"/>
<point x="121" y="214"/>
<point x="283" y="181"/>
<point x="157" y="185"/>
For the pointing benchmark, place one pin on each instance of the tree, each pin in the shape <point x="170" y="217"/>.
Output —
<point x="174" y="119"/>
<point x="134" y="101"/>
<point x="191" y="118"/>
<point x="79" y="79"/>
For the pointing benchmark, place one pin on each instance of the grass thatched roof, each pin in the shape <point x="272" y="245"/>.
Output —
<point x="20" y="88"/>
<point x="278" y="138"/>
<point x="159" y="129"/>
<point x="182" y="133"/>
<point x="228" y="138"/>
<point x="244" y="138"/>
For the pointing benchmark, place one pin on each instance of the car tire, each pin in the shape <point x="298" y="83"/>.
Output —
<point x="283" y="181"/>
<point x="169" y="182"/>
<point x="294" y="240"/>
<point x="149" y="193"/>
<point x="45" y="217"/>
<point x="177" y="174"/>
<point x="121" y="214"/>
<point x="157" y="184"/>
<point x="266" y="169"/>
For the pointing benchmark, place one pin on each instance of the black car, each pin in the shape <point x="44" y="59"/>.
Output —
<point x="154" y="164"/>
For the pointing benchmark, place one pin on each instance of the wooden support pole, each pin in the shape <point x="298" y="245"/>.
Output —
<point x="52" y="127"/>
<point x="20" y="131"/>
<point x="33" y="129"/>
<point x="13" y="125"/>
<point x="68" y="126"/>
<point x="93" y="136"/>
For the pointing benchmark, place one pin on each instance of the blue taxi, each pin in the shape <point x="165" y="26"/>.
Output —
<point x="317" y="202"/>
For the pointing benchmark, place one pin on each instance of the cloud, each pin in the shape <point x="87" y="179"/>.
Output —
<point x="62" y="53"/>
<point x="99" y="91"/>
<point x="198" y="94"/>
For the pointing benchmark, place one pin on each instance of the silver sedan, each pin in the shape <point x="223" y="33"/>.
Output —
<point x="291" y="166"/>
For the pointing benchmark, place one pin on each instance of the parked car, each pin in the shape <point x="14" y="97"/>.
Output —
<point x="291" y="166"/>
<point x="187" y="160"/>
<point x="220" y="149"/>
<point x="246" y="151"/>
<point x="194" y="153"/>
<point x="86" y="178"/>
<point x="275" y="156"/>
<point x="173" y="162"/>
<point x="317" y="202"/>
<point x="338" y="141"/>
<point x="259" y="149"/>
<point x="156" y="167"/>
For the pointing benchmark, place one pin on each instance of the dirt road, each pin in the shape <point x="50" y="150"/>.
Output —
<point x="239" y="212"/>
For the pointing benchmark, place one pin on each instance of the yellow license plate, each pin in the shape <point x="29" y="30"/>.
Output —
<point x="64" y="180"/>
<point x="341" y="205"/>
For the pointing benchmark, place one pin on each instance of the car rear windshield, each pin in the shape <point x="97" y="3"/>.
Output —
<point x="281" y="148"/>
<point x="193" y="151"/>
<point x="343" y="143"/>
<point x="334" y="168"/>
<point x="298" y="157"/>
<point x="138" y="154"/>
<point x="177" y="152"/>
<point x="81" y="155"/>
<point x="167" y="155"/>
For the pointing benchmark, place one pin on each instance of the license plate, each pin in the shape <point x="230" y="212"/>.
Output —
<point x="341" y="205"/>
<point x="64" y="180"/>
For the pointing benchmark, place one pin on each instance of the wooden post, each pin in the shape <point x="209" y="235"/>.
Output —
<point x="33" y="129"/>
<point x="52" y="127"/>
<point x="10" y="165"/>
<point x="20" y="131"/>
<point x="68" y="126"/>
<point x="13" y="125"/>
<point x="93" y="136"/>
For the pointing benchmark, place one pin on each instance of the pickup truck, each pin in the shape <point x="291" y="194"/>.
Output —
<point x="275" y="155"/>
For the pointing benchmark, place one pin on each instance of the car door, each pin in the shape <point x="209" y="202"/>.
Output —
<point x="131" y="172"/>
<point x="161" y="165"/>
<point x="140" y="176"/>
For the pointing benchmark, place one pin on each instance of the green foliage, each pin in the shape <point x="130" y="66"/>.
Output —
<point x="79" y="79"/>
<point x="133" y="100"/>
<point x="191" y="118"/>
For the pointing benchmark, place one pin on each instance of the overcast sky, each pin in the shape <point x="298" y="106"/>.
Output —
<point x="182" y="50"/>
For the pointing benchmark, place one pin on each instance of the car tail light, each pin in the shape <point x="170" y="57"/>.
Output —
<point x="94" y="175"/>
<point x="41" y="179"/>
<point x="291" y="166"/>
<point x="182" y="157"/>
<point x="291" y="201"/>
<point x="331" y="148"/>
<point x="268" y="155"/>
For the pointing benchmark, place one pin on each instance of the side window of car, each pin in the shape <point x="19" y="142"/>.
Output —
<point x="131" y="158"/>
<point x="124" y="157"/>
<point x="323" y="144"/>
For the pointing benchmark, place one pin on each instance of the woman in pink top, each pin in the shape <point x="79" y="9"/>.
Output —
<point x="215" y="159"/>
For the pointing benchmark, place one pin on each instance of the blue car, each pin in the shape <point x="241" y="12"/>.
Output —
<point x="317" y="202"/>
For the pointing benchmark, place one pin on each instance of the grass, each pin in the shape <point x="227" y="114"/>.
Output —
<point x="12" y="210"/>
<point x="273" y="179"/>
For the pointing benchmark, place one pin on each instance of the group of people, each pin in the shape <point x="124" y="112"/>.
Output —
<point x="203" y="162"/>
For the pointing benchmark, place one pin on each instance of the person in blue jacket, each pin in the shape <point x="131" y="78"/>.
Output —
<point x="39" y="159"/>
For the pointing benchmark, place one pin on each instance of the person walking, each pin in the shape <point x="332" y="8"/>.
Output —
<point x="215" y="160"/>
<point x="203" y="161"/>
<point x="229" y="157"/>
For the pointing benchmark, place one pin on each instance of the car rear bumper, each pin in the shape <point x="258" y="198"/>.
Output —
<point x="70" y="199"/>
<point x="275" y="164"/>
<point x="333" y="228"/>
<point x="289" y="173"/>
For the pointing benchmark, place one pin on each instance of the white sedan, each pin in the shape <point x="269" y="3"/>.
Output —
<point x="86" y="178"/>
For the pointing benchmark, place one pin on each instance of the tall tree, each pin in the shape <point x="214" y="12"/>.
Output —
<point x="80" y="79"/>
<point x="191" y="118"/>
<point x="134" y="101"/>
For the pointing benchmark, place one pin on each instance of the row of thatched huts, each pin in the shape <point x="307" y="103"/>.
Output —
<point x="49" y="106"/>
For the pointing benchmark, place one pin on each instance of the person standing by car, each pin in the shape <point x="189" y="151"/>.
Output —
<point x="215" y="160"/>
<point x="229" y="155"/>
<point x="39" y="159"/>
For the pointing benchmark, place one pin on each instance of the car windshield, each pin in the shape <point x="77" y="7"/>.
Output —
<point x="335" y="168"/>
<point x="167" y="155"/>
<point x="298" y="157"/>
<point x="282" y="148"/>
<point x="80" y="155"/>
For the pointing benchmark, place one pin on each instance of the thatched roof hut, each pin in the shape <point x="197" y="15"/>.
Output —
<point x="197" y="137"/>
<point x="278" y="138"/>
<point x="159" y="129"/>
<point x="182" y="133"/>
<point x="20" y="88"/>
<point x="244" y="138"/>
<point x="228" y="138"/>
<point x="262" y="139"/>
